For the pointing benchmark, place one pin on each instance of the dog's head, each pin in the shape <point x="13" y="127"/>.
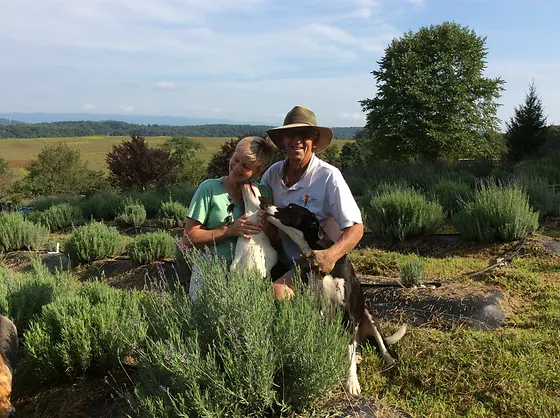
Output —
<point x="299" y="218"/>
<point x="6" y="408"/>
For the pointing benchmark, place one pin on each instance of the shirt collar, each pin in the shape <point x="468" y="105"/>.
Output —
<point x="305" y="179"/>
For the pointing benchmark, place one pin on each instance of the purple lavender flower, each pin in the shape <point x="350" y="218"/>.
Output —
<point x="234" y="333"/>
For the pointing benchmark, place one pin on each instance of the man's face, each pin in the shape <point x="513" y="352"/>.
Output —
<point x="298" y="144"/>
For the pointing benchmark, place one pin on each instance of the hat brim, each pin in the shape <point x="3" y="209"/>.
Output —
<point x="325" y="135"/>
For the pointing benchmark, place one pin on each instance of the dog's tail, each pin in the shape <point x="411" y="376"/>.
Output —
<point x="393" y="339"/>
<point x="368" y="327"/>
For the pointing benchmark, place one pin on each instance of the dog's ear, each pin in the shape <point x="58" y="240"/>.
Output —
<point x="264" y="202"/>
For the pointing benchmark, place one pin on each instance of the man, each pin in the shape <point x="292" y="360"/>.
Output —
<point x="306" y="180"/>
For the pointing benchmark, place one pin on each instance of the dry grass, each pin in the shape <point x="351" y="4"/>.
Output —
<point x="93" y="148"/>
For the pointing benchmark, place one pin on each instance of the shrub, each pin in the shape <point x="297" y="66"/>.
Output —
<point x="133" y="215"/>
<point x="497" y="212"/>
<point x="548" y="169"/>
<point x="89" y="331"/>
<point x="25" y="295"/>
<point x="60" y="216"/>
<point x="18" y="233"/>
<point x="450" y="194"/>
<point x="403" y="213"/>
<point x="235" y="352"/>
<point x="151" y="201"/>
<point x="178" y="193"/>
<point x="135" y="165"/>
<point x="102" y="207"/>
<point x="541" y="196"/>
<point x="94" y="241"/>
<point x="150" y="247"/>
<point x="60" y="169"/>
<point x="172" y="214"/>
<point x="44" y="203"/>
<point x="412" y="272"/>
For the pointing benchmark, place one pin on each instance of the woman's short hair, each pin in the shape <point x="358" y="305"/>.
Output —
<point x="259" y="150"/>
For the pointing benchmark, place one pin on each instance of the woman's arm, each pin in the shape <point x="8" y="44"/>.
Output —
<point x="195" y="236"/>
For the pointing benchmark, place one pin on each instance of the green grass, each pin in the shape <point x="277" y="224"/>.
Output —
<point x="17" y="152"/>
<point x="513" y="371"/>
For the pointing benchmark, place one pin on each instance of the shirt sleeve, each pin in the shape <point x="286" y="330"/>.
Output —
<point x="343" y="206"/>
<point x="201" y="203"/>
<point x="265" y="178"/>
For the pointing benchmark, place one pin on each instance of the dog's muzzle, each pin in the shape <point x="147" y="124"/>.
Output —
<point x="271" y="210"/>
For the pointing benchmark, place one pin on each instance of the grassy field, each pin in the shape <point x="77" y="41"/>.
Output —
<point x="93" y="148"/>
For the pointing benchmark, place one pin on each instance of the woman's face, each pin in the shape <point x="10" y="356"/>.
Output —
<point x="298" y="144"/>
<point x="241" y="168"/>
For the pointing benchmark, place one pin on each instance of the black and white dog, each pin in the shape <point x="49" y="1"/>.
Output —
<point x="341" y="286"/>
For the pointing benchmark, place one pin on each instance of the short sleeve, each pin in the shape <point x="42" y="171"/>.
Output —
<point x="201" y="203"/>
<point x="343" y="206"/>
<point x="265" y="178"/>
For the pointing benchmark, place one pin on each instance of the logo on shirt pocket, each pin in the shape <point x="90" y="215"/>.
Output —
<point x="306" y="200"/>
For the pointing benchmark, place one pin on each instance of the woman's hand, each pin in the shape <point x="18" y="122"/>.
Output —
<point x="242" y="228"/>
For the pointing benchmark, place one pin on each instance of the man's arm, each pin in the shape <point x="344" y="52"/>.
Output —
<point x="326" y="259"/>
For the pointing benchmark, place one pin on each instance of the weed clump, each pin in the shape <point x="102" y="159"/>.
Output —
<point x="172" y="214"/>
<point x="17" y="233"/>
<point x="151" y="247"/>
<point x="94" y="241"/>
<point x="235" y="351"/>
<point x="88" y="331"/>
<point x="133" y="215"/>
<point x="413" y="273"/>
<point x="400" y="212"/>
<point x="60" y="216"/>
<point x="498" y="212"/>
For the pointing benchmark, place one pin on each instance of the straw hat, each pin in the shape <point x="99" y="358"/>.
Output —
<point x="302" y="117"/>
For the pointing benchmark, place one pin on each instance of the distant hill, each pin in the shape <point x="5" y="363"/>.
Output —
<point x="9" y="121"/>
<point x="118" y="128"/>
<point x="133" y="119"/>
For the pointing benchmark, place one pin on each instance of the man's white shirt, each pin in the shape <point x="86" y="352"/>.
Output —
<point x="323" y="190"/>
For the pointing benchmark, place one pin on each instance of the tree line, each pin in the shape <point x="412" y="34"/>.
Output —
<point x="117" y="128"/>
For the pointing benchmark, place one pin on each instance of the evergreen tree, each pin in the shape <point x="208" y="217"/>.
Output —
<point x="526" y="130"/>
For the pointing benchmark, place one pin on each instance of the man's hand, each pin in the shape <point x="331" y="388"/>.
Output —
<point x="323" y="260"/>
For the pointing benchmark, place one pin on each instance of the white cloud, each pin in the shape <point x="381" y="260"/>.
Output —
<point x="166" y="86"/>
<point x="239" y="59"/>
<point x="353" y="116"/>
<point x="126" y="108"/>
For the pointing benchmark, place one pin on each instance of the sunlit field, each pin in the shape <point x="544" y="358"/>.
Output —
<point x="93" y="148"/>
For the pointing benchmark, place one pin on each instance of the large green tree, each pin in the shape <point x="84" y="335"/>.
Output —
<point x="190" y="166"/>
<point x="60" y="169"/>
<point x="432" y="100"/>
<point x="527" y="129"/>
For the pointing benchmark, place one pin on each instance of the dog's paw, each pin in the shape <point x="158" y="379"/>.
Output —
<point x="353" y="386"/>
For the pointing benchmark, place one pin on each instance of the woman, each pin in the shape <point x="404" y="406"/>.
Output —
<point x="306" y="180"/>
<point x="216" y="215"/>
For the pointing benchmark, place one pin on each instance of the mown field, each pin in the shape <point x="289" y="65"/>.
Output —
<point x="93" y="148"/>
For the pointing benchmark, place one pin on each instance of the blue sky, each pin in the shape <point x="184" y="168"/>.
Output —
<point x="249" y="60"/>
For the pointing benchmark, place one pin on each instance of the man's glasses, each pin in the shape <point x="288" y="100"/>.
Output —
<point x="303" y="133"/>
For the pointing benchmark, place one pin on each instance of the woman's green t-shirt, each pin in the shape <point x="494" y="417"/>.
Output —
<point x="212" y="206"/>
